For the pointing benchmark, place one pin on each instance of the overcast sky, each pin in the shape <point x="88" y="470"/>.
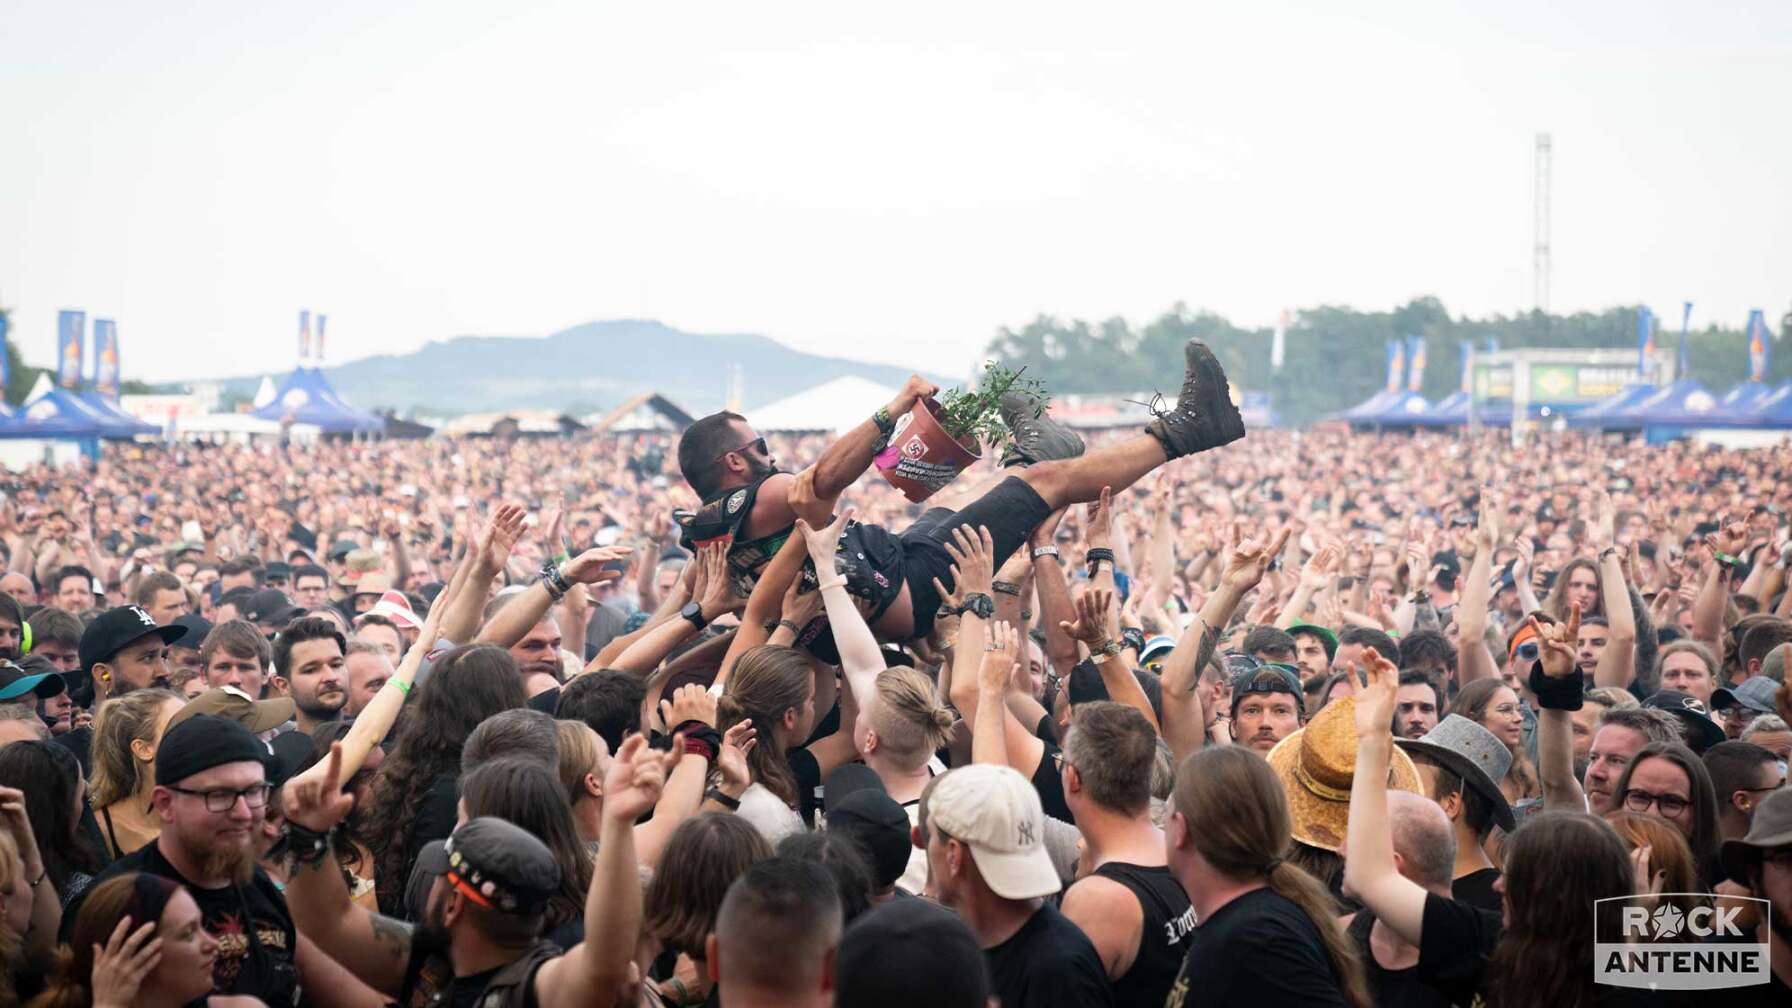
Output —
<point x="886" y="181"/>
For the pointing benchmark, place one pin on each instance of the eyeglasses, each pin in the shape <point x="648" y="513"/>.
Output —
<point x="1506" y="709"/>
<point x="756" y="446"/>
<point x="1667" y="804"/>
<point x="224" y="799"/>
<point x="1527" y="652"/>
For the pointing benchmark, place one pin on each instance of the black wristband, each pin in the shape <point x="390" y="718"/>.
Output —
<point x="716" y="795"/>
<point x="1098" y="554"/>
<point x="1134" y="638"/>
<point x="1564" y="694"/>
<point x="1004" y="588"/>
<point x="700" y="738"/>
<point x="307" y="847"/>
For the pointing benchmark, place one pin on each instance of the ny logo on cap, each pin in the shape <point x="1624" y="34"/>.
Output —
<point x="1026" y="833"/>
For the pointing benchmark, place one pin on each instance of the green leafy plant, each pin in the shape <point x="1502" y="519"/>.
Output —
<point x="976" y="414"/>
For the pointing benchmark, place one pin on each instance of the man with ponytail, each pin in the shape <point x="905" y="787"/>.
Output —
<point x="1268" y="933"/>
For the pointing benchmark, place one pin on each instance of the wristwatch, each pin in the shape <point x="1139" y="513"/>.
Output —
<point x="693" y="611"/>
<point x="978" y="605"/>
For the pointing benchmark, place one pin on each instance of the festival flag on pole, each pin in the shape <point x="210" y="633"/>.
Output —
<point x="71" y="335"/>
<point x="1468" y="366"/>
<point x="1415" y="363"/>
<point x="1645" y="340"/>
<point x="1493" y="344"/>
<point x="1680" y="367"/>
<point x="1757" y="345"/>
<point x="321" y="319"/>
<point x="304" y="335"/>
<point x="5" y="360"/>
<point x="105" y="356"/>
<point x="1396" y="364"/>
<point x="1277" y="345"/>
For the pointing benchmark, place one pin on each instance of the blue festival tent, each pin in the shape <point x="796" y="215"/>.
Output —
<point x="1685" y="404"/>
<point x="1398" y="409"/>
<point x="56" y="413"/>
<point x="1773" y="410"/>
<point x="119" y="419"/>
<point x="1745" y="397"/>
<point x="306" y="397"/>
<point x="1597" y="414"/>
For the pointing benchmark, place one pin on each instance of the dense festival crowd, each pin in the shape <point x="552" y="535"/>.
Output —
<point x="1167" y="717"/>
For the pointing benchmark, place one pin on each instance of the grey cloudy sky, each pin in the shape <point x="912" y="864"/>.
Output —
<point x="876" y="180"/>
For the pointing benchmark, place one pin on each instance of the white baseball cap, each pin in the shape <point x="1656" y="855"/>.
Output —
<point x="995" y="811"/>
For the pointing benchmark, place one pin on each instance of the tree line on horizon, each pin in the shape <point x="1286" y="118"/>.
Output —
<point x="1335" y="357"/>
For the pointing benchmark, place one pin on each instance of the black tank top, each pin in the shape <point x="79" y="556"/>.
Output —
<point x="1168" y="919"/>
<point x="1397" y="988"/>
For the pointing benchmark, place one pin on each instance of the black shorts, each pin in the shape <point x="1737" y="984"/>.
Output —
<point x="1011" y="511"/>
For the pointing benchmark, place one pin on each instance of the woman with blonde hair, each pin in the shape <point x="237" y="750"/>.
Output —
<point x="125" y="737"/>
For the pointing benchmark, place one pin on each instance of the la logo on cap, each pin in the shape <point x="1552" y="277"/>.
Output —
<point x="144" y="617"/>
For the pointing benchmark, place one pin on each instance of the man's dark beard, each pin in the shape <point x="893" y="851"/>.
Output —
<point x="758" y="470"/>
<point x="431" y="936"/>
<point x="321" y="712"/>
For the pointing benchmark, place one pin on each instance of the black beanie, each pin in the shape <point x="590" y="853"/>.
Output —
<point x="202" y="742"/>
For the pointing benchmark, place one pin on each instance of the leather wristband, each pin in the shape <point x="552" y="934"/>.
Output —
<point x="1044" y="551"/>
<point x="716" y="795"/>
<point x="1564" y="694"/>
<point x="306" y="846"/>
<point x="1004" y="588"/>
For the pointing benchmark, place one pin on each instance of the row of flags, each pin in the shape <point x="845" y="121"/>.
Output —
<point x="71" y="353"/>
<point x="1759" y="342"/>
<point x="308" y="351"/>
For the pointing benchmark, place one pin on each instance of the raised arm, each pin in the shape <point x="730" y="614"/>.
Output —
<point x="997" y="736"/>
<point x="1472" y="658"/>
<point x="860" y="658"/>
<point x="1558" y="690"/>
<point x="1617" y="663"/>
<point x="489" y="555"/>
<point x="375" y="949"/>
<point x="1055" y="607"/>
<point x="512" y="622"/>
<point x="1315" y="574"/>
<point x="1369" y="871"/>
<point x="1093" y="630"/>
<point x="598" y="969"/>
<point x="846" y="460"/>
<point x="715" y="597"/>
<point x="1714" y="596"/>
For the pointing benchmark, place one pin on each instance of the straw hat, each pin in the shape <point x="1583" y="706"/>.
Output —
<point x="1316" y="764"/>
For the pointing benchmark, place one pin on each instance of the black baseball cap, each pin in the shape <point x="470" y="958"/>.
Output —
<point x="911" y="952"/>
<point x="342" y="549"/>
<point x="16" y="683"/>
<point x="276" y="570"/>
<point x="111" y="631"/>
<point x="496" y="864"/>
<point x="880" y="825"/>
<point x="1269" y="677"/>
<point x="849" y="779"/>
<point x="198" y="628"/>
<point x="1701" y="732"/>
<point x="270" y="605"/>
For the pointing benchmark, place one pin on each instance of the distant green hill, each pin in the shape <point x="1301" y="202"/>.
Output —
<point x="586" y="368"/>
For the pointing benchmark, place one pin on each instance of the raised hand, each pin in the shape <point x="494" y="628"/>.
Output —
<point x="1730" y="537"/>
<point x="1044" y="534"/>
<point x="1316" y="573"/>
<point x="1487" y="528"/>
<point x="973" y="563"/>
<point x="1100" y="534"/>
<point x="690" y="702"/>
<point x="588" y="567"/>
<point x="319" y="803"/>
<point x="119" y="967"/>
<point x="718" y="587"/>
<point x="799" y="606"/>
<point x="999" y="658"/>
<point x="731" y="761"/>
<point x="1375" y="701"/>
<point x="501" y="536"/>
<point x="825" y="542"/>
<point x="1091" y="626"/>
<point x="1556" y="643"/>
<point x="1244" y="569"/>
<point x="1602" y="530"/>
<point x="636" y="776"/>
<point x="802" y="499"/>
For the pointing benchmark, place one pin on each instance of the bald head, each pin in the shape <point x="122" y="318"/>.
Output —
<point x="1423" y="840"/>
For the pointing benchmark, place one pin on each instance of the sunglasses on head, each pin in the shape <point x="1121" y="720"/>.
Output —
<point x="1527" y="652"/>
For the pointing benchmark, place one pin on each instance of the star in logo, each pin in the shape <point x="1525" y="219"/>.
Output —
<point x="1668" y="920"/>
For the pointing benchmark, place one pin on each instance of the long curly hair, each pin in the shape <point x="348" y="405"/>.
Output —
<point x="466" y="686"/>
<point x="767" y="681"/>
<point x="529" y="795"/>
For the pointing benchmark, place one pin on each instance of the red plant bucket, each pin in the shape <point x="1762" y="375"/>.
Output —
<point x="921" y="457"/>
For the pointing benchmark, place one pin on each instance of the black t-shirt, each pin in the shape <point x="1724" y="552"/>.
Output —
<point x="1048" y="962"/>
<point x="429" y="980"/>
<point x="291" y="749"/>
<point x="1048" y="780"/>
<point x="1455" y="942"/>
<point x="257" y="944"/>
<point x="1476" y="889"/>
<point x="807" y="771"/>
<point x="1391" y="988"/>
<point x="1259" y="950"/>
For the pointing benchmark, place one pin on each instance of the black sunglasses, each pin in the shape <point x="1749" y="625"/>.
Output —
<point x="757" y="446"/>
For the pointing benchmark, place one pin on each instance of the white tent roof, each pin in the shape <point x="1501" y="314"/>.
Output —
<point x="835" y="405"/>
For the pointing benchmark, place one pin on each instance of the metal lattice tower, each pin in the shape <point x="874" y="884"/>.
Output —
<point x="1540" y="227"/>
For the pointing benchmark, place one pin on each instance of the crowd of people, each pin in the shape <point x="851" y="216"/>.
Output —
<point x="1174" y="716"/>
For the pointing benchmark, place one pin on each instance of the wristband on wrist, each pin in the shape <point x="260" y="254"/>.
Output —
<point x="792" y="625"/>
<point x="1134" y="638"/>
<point x="838" y="582"/>
<point x="700" y="738"/>
<point x="716" y="795"/>
<point x="403" y="688"/>
<point x="1097" y="554"/>
<point x="308" y="847"/>
<point x="1045" y="551"/>
<point x="1004" y="588"/>
<point x="1108" y="649"/>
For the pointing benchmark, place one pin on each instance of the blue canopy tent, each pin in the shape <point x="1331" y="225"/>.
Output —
<point x="1686" y="404"/>
<point x="1597" y="414"/>
<point x="111" y="414"/>
<point x="1773" y="410"/>
<point x="1369" y="407"/>
<point x="306" y="397"/>
<point x="57" y="413"/>
<point x="1401" y="409"/>
<point x="1745" y="397"/>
